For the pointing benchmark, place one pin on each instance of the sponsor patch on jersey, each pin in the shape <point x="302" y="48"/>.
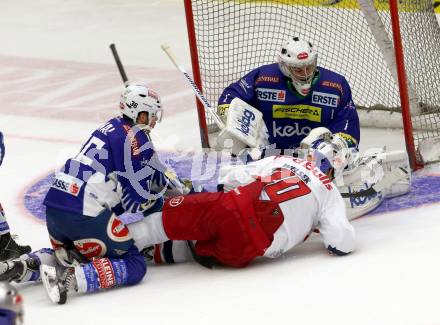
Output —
<point x="297" y="112"/>
<point x="175" y="201"/>
<point x="332" y="84"/>
<point x="271" y="95"/>
<point x="326" y="99"/>
<point x="290" y="130"/>
<point x="270" y="79"/>
<point x="117" y="230"/>
<point x="67" y="184"/>
<point x="90" y="247"/>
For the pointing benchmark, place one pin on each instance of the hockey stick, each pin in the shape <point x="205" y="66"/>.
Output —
<point x="119" y="63"/>
<point x="385" y="182"/>
<point x="208" y="108"/>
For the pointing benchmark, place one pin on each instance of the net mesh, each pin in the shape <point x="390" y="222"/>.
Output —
<point x="234" y="37"/>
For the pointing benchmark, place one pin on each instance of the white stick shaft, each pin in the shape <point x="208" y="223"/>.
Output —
<point x="208" y="108"/>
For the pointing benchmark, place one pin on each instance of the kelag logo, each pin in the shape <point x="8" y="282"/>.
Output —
<point x="245" y="121"/>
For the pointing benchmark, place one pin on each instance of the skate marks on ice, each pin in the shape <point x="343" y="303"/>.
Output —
<point x="203" y="169"/>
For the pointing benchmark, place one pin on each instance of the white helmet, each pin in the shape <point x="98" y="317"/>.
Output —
<point x="138" y="98"/>
<point x="298" y="60"/>
<point x="11" y="305"/>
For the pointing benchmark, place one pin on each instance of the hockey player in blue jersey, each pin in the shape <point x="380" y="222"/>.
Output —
<point x="116" y="171"/>
<point x="296" y="96"/>
<point x="9" y="249"/>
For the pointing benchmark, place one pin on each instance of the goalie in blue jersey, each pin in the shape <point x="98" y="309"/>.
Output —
<point x="295" y="107"/>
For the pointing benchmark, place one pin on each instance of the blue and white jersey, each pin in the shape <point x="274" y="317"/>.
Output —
<point x="289" y="116"/>
<point x="113" y="170"/>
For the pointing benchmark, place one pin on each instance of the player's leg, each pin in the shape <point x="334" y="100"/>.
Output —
<point x="104" y="240"/>
<point x="26" y="268"/>
<point x="99" y="274"/>
<point x="212" y="220"/>
<point x="209" y="219"/>
<point x="9" y="249"/>
<point x="169" y="252"/>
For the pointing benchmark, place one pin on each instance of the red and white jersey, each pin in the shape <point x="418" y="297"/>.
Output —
<point x="306" y="196"/>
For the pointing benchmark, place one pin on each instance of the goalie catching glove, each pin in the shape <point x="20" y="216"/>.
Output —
<point x="330" y="151"/>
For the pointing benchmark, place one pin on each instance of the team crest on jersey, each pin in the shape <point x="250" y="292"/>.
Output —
<point x="117" y="230"/>
<point x="175" y="201"/>
<point x="271" y="95"/>
<point x="90" y="247"/>
<point x="325" y="99"/>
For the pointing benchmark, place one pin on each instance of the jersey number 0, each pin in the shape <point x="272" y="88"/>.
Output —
<point x="284" y="185"/>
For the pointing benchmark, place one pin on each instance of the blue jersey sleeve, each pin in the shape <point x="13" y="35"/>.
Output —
<point x="136" y="163"/>
<point x="346" y="119"/>
<point x="243" y="89"/>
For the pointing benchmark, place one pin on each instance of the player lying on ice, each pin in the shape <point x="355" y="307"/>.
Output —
<point x="295" y="107"/>
<point x="272" y="206"/>
<point x="113" y="173"/>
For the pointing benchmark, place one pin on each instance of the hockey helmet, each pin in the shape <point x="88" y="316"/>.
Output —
<point x="11" y="305"/>
<point x="137" y="98"/>
<point x="297" y="60"/>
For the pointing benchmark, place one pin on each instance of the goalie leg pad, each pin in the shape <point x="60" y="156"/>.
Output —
<point x="368" y="170"/>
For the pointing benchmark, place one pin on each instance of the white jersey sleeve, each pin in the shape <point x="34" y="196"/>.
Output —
<point x="333" y="225"/>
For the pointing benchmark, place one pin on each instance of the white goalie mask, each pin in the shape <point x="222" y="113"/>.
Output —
<point x="297" y="60"/>
<point x="137" y="98"/>
<point x="11" y="305"/>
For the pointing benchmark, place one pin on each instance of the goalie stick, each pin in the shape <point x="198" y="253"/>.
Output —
<point x="208" y="108"/>
<point x="385" y="182"/>
<point x="119" y="63"/>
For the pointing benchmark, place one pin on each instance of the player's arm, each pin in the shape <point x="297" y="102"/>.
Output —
<point x="243" y="89"/>
<point x="132" y="159"/>
<point x="346" y="120"/>
<point x="336" y="231"/>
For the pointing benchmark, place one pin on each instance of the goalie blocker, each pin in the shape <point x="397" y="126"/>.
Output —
<point x="244" y="128"/>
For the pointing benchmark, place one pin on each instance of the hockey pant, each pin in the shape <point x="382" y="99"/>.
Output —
<point x="230" y="228"/>
<point x="104" y="240"/>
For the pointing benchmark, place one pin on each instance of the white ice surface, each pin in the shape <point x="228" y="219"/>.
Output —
<point x="391" y="278"/>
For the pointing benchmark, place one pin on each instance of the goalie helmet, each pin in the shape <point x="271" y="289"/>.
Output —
<point x="137" y="98"/>
<point x="297" y="60"/>
<point x="11" y="305"/>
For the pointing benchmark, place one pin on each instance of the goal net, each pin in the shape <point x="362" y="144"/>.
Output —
<point x="353" y="37"/>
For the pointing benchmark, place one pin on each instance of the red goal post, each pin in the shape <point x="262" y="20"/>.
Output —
<point x="388" y="51"/>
